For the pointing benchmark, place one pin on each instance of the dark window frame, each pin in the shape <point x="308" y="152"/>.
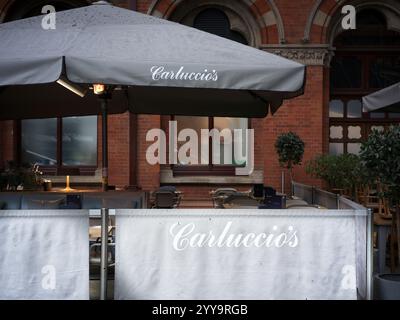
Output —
<point x="209" y="169"/>
<point x="84" y="170"/>
<point x="359" y="43"/>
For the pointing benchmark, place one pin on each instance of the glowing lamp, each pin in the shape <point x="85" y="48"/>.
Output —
<point x="99" y="89"/>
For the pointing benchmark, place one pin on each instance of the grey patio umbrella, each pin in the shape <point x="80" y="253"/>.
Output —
<point x="149" y="66"/>
<point x="385" y="100"/>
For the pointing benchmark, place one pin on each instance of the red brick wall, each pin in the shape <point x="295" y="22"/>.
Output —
<point x="148" y="175"/>
<point x="7" y="147"/>
<point x="294" y="15"/>
<point x="143" y="5"/>
<point x="118" y="149"/>
<point x="304" y="116"/>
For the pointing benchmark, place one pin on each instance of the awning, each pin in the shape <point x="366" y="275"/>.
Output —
<point x="157" y="67"/>
<point x="385" y="100"/>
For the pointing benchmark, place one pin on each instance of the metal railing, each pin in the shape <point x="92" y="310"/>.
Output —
<point x="316" y="196"/>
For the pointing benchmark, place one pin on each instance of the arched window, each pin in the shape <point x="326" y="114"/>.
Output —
<point x="366" y="60"/>
<point x="217" y="22"/>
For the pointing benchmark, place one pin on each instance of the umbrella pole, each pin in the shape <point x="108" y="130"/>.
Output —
<point x="104" y="254"/>
<point x="104" y="211"/>
<point x="104" y="106"/>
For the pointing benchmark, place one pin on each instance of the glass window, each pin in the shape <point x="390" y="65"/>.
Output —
<point x="336" y="132"/>
<point x="384" y="71"/>
<point x="79" y="141"/>
<point x="219" y="123"/>
<point x="371" y="31"/>
<point x="354" y="148"/>
<point x="336" y="148"/>
<point x="354" y="109"/>
<point x="354" y="132"/>
<point x="377" y="115"/>
<point x="379" y="128"/>
<point x="356" y="71"/>
<point x="336" y="109"/>
<point x="215" y="21"/>
<point x="346" y="72"/>
<point x="232" y="123"/>
<point x="39" y="141"/>
<point x="394" y="115"/>
<point x="78" y="145"/>
<point x="195" y="123"/>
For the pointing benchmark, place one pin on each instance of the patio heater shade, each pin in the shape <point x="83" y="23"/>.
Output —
<point x="155" y="66"/>
<point x="385" y="100"/>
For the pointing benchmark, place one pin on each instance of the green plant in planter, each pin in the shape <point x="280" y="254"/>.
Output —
<point x="290" y="149"/>
<point x="381" y="156"/>
<point x="338" y="171"/>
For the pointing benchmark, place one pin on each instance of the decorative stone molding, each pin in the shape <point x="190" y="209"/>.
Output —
<point x="257" y="17"/>
<point x="319" y="55"/>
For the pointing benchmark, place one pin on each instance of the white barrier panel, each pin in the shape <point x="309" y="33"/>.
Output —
<point x="235" y="254"/>
<point x="44" y="254"/>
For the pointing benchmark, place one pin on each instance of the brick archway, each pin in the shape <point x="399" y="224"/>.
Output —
<point x="264" y="14"/>
<point x="324" y="19"/>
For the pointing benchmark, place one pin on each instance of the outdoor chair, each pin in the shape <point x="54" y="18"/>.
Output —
<point x="166" y="197"/>
<point x="240" y="200"/>
<point x="95" y="252"/>
<point x="219" y="195"/>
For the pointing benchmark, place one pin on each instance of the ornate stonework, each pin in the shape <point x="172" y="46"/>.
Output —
<point x="308" y="55"/>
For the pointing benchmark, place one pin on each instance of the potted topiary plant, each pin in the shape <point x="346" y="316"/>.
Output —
<point x="290" y="149"/>
<point x="381" y="156"/>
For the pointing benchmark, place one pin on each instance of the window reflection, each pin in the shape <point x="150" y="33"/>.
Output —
<point x="219" y="123"/>
<point x="336" y="148"/>
<point x="346" y="72"/>
<point x="232" y="123"/>
<point x="384" y="71"/>
<point x="39" y="141"/>
<point x="196" y="124"/>
<point x="79" y="141"/>
<point x="354" y="109"/>
<point x="394" y="115"/>
<point x="377" y="115"/>
<point x="354" y="148"/>
<point x="336" y="109"/>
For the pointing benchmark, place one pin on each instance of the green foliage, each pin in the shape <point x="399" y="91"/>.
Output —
<point x="340" y="172"/>
<point x="290" y="149"/>
<point x="381" y="155"/>
<point x="15" y="175"/>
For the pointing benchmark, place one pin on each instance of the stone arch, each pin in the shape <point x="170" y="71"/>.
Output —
<point x="323" y="23"/>
<point x="261" y="17"/>
<point x="17" y="9"/>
